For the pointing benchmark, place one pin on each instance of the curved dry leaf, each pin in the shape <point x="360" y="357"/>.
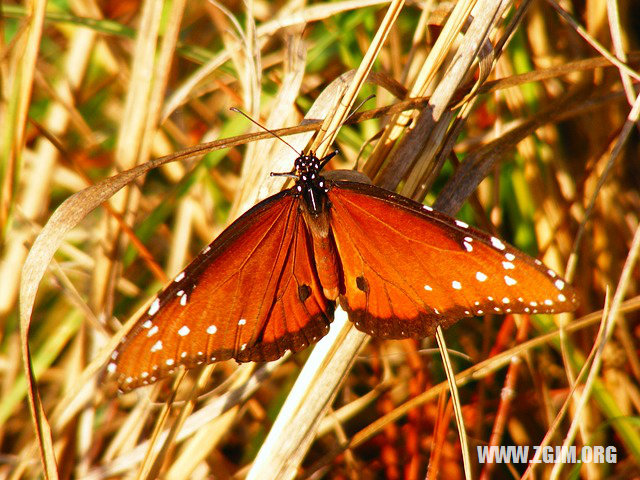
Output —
<point x="66" y="217"/>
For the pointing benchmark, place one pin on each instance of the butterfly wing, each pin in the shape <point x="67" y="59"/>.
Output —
<point x="250" y="295"/>
<point x="408" y="269"/>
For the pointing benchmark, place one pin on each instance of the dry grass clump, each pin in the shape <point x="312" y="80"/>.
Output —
<point x="519" y="118"/>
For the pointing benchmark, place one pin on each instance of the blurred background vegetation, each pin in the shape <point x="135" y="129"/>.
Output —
<point x="533" y="138"/>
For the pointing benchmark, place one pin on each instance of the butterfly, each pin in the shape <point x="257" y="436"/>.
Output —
<point x="269" y="283"/>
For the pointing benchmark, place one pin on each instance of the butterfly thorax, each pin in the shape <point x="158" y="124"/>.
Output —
<point x="310" y="184"/>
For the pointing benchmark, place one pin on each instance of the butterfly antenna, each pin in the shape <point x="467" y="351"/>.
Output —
<point x="284" y="174"/>
<point x="353" y="112"/>
<point x="265" y="129"/>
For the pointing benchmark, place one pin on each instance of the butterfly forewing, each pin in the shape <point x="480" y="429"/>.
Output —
<point x="408" y="269"/>
<point x="251" y="295"/>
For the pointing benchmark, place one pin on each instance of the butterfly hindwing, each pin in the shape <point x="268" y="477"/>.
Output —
<point x="408" y="268"/>
<point x="250" y="295"/>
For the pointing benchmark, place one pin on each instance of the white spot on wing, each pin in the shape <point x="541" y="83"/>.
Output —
<point x="456" y="284"/>
<point x="211" y="329"/>
<point x="497" y="243"/>
<point x="155" y="306"/>
<point x="147" y="324"/>
<point x="153" y="331"/>
<point x="242" y="321"/>
<point x="427" y="208"/>
<point x="510" y="256"/>
<point x="462" y="224"/>
<point x="428" y="288"/>
<point x="179" y="277"/>
<point x="157" y="346"/>
<point x="508" y="265"/>
<point x="468" y="247"/>
<point x="111" y="367"/>
<point x="184" y="330"/>
<point x="562" y="298"/>
<point x="481" y="277"/>
<point x="509" y="281"/>
<point x="559" y="284"/>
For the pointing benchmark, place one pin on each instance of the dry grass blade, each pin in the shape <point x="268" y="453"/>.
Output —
<point x="612" y="313"/>
<point x="593" y="42"/>
<point x="287" y="19"/>
<point x="482" y="160"/>
<point x="22" y="84"/>
<point x="455" y="399"/>
<point x="283" y="450"/>
<point x="75" y="208"/>
<point x="329" y="129"/>
<point x="314" y="390"/>
<point x="281" y="444"/>
<point x="428" y="134"/>
<point x="511" y="115"/>
<point x="257" y="180"/>
<point x="66" y="217"/>
<point x="477" y="372"/>
<point x="204" y="425"/>
<point x="22" y="65"/>
<point x="428" y="70"/>
<point x="608" y="327"/>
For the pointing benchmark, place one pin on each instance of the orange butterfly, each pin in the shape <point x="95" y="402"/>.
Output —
<point x="270" y="281"/>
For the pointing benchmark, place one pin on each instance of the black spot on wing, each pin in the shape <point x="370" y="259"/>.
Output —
<point x="362" y="284"/>
<point x="304" y="292"/>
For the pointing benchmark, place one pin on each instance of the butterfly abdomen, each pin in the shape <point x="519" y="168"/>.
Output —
<point x="324" y="249"/>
